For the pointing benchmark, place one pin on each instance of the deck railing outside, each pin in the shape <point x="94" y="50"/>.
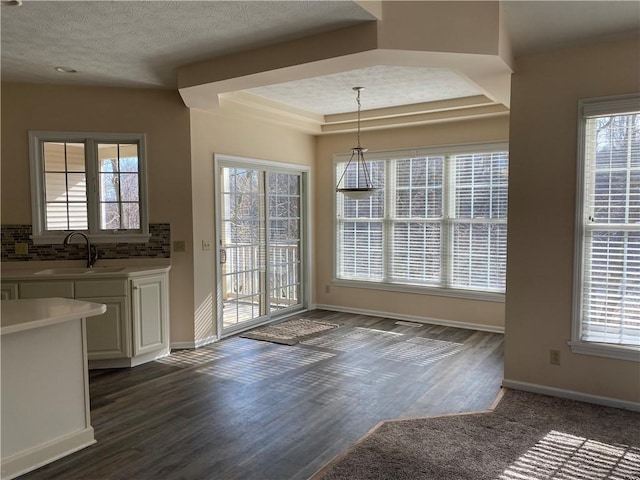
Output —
<point x="242" y="273"/>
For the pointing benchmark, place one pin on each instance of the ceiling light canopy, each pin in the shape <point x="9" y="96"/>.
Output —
<point x="361" y="185"/>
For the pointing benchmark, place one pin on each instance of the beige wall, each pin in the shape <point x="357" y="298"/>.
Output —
<point x="542" y="136"/>
<point x="543" y="139"/>
<point x="158" y="113"/>
<point x="412" y="305"/>
<point x="460" y="26"/>
<point x="216" y="133"/>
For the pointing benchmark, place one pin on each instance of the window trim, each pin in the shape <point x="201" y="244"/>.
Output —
<point x="587" y="108"/>
<point x="41" y="236"/>
<point x="450" y="150"/>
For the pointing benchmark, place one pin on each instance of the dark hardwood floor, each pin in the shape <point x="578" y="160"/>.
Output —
<point x="245" y="409"/>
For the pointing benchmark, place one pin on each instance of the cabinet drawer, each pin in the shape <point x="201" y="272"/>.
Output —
<point x="46" y="289"/>
<point x="101" y="288"/>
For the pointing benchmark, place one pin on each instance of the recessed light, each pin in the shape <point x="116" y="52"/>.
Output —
<point x="65" y="70"/>
<point x="12" y="3"/>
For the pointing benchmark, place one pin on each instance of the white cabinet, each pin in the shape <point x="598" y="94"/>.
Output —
<point x="135" y="327"/>
<point x="149" y="302"/>
<point x="108" y="335"/>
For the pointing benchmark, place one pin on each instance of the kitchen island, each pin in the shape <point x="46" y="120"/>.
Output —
<point x="45" y="385"/>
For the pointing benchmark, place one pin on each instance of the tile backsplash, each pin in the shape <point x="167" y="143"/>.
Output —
<point x="158" y="246"/>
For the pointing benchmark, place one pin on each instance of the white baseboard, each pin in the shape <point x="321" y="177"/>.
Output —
<point x="182" y="345"/>
<point x="129" y="361"/>
<point x="46" y="453"/>
<point x="197" y="344"/>
<point x="414" y="318"/>
<point x="571" y="395"/>
<point x="358" y="311"/>
<point x="206" y="341"/>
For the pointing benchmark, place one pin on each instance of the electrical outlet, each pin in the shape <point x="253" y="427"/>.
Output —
<point x="206" y="245"/>
<point x="554" y="357"/>
<point x="179" y="246"/>
<point x="327" y="289"/>
<point x="22" y="248"/>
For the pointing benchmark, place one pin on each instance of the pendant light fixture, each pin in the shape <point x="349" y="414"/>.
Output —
<point x="363" y="187"/>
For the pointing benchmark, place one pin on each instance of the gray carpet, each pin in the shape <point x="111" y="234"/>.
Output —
<point x="527" y="437"/>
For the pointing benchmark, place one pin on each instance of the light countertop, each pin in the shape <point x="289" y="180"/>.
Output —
<point x="50" y="271"/>
<point x="21" y="315"/>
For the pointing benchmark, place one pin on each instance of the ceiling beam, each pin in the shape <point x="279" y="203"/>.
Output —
<point x="465" y="37"/>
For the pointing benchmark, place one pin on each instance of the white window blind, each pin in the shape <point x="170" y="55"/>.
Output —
<point x="437" y="220"/>
<point x="361" y="229"/>
<point x="479" y="230"/>
<point x="417" y="213"/>
<point x="608" y="308"/>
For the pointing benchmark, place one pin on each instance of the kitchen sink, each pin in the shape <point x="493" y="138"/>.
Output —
<point x="81" y="271"/>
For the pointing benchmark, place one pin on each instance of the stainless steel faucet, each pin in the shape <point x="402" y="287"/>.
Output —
<point x="92" y="253"/>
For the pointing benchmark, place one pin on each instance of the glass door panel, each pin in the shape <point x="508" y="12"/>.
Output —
<point x="243" y="246"/>
<point x="260" y="245"/>
<point x="284" y="240"/>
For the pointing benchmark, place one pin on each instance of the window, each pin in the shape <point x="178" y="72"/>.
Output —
<point x="437" y="221"/>
<point x="89" y="182"/>
<point x="607" y="278"/>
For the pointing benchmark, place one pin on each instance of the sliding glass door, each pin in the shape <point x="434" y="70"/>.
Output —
<point x="260" y="243"/>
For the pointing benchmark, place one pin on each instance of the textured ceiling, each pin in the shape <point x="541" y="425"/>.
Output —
<point x="141" y="43"/>
<point x="386" y="86"/>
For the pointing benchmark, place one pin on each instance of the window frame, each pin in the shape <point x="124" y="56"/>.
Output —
<point x="587" y="108"/>
<point x="446" y="151"/>
<point x="40" y="235"/>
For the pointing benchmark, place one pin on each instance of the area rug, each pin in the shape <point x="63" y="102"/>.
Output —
<point x="290" y="332"/>
<point x="527" y="437"/>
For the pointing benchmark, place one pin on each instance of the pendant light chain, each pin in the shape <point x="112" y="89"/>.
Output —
<point x="359" y="106"/>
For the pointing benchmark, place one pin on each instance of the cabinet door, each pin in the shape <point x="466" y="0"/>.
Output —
<point x="107" y="334"/>
<point x="9" y="291"/>
<point x="46" y="289"/>
<point x="149" y="307"/>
